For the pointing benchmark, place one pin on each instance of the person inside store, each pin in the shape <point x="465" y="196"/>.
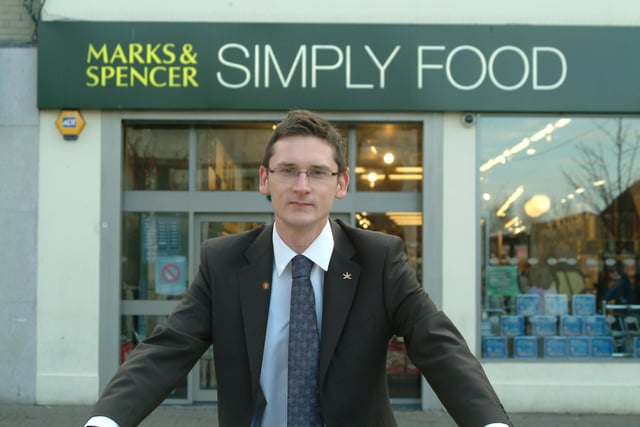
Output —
<point x="300" y="313"/>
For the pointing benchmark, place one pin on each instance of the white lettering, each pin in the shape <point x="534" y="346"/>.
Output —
<point x="525" y="74"/>
<point x="224" y="61"/>
<point x="315" y="66"/>
<point x="489" y="68"/>
<point x="256" y="66"/>
<point x="422" y="66"/>
<point x="382" y="67"/>
<point x="348" y="83"/>
<point x="301" y="58"/>
<point x="563" y="70"/>
<point x="483" y="68"/>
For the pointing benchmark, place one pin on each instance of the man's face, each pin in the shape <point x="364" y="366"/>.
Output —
<point x="301" y="203"/>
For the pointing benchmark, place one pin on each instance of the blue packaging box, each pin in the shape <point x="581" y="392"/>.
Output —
<point x="556" y="304"/>
<point x="601" y="346"/>
<point x="555" y="347"/>
<point x="571" y="325"/>
<point x="525" y="347"/>
<point x="494" y="347"/>
<point x="595" y="325"/>
<point x="512" y="326"/>
<point x="584" y="304"/>
<point x="544" y="325"/>
<point x="578" y="347"/>
<point x="528" y="304"/>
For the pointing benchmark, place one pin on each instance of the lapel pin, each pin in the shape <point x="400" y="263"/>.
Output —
<point x="265" y="286"/>
<point x="346" y="276"/>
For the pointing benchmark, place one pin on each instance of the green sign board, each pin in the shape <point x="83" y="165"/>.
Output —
<point x="376" y="67"/>
<point x="502" y="280"/>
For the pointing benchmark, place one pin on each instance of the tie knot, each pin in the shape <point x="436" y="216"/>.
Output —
<point x="300" y="266"/>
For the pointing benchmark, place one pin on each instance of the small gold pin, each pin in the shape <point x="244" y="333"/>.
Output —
<point x="265" y="286"/>
<point x="346" y="276"/>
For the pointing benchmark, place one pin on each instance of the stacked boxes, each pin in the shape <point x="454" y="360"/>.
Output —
<point x="494" y="347"/>
<point x="543" y="327"/>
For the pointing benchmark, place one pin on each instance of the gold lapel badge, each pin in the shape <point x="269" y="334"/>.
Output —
<point x="346" y="276"/>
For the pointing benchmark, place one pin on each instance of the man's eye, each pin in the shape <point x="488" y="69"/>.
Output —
<point x="287" y="171"/>
<point x="317" y="172"/>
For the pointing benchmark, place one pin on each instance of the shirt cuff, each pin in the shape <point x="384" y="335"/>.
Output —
<point x="102" y="422"/>
<point x="496" y="425"/>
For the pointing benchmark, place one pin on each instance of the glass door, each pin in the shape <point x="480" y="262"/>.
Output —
<point x="207" y="226"/>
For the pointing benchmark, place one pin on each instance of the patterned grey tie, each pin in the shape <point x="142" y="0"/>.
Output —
<point x="303" y="405"/>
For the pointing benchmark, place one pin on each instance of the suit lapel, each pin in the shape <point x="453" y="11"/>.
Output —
<point x="340" y="283"/>
<point x="254" y="281"/>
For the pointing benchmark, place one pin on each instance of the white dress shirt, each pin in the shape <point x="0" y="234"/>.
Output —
<point x="273" y="377"/>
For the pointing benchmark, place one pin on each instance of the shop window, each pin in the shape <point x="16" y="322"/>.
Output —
<point x="156" y="158"/>
<point x="560" y="234"/>
<point x="403" y="377"/>
<point x="388" y="157"/>
<point x="154" y="256"/>
<point x="228" y="156"/>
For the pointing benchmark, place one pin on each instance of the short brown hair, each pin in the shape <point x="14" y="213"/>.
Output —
<point x="304" y="122"/>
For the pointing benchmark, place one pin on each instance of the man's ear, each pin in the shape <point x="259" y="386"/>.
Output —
<point x="343" y="185"/>
<point x="264" y="182"/>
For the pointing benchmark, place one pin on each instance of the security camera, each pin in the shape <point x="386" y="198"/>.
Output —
<point x="468" y="119"/>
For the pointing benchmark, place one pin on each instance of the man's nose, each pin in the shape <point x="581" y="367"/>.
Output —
<point x="302" y="180"/>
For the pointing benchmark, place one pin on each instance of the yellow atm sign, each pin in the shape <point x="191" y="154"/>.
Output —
<point x="70" y="124"/>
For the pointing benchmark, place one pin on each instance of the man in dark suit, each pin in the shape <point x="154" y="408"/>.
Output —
<point x="364" y="293"/>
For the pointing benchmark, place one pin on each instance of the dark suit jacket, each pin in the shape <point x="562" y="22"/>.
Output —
<point x="227" y="306"/>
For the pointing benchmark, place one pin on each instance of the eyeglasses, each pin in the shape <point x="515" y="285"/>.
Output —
<point x="291" y="174"/>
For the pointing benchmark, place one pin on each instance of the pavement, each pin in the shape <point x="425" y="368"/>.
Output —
<point x="17" y="415"/>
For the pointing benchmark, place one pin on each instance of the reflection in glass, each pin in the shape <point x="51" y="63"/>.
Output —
<point x="560" y="199"/>
<point x="156" y="158"/>
<point x="389" y="157"/>
<point x="228" y="156"/>
<point x="208" y="379"/>
<point x="154" y="256"/>
<point x="136" y="328"/>
<point x="402" y="375"/>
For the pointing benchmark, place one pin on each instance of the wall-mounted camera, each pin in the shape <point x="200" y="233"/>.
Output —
<point x="468" y="119"/>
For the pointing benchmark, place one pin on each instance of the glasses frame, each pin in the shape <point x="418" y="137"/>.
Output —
<point x="295" y="174"/>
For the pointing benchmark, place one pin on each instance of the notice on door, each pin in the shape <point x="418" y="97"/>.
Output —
<point x="171" y="277"/>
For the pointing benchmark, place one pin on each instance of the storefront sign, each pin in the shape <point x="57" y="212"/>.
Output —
<point x="109" y="65"/>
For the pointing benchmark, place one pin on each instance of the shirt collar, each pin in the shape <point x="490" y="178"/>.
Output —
<point x="319" y="251"/>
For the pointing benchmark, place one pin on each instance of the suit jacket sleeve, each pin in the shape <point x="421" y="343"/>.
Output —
<point x="158" y="363"/>
<point x="438" y="349"/>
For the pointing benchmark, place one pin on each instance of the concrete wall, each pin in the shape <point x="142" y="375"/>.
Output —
<point x="539" y="12"/>
<point x="18" y="215"/>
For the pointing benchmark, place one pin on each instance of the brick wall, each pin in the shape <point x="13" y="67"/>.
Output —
<point x="16" y="26"/>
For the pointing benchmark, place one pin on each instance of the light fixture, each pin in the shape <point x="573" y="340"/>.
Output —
<point x="544" y="133"/>
<point x="405" y="177"/>
<point x="372" y="177"/>
<point x="507" y="204"/>
<point x="388" y="158"/>
<point x="406" y="218"/>
<point x="537" y="205"/>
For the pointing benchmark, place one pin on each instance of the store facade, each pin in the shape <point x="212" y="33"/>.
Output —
<point x="479" y="144"/>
